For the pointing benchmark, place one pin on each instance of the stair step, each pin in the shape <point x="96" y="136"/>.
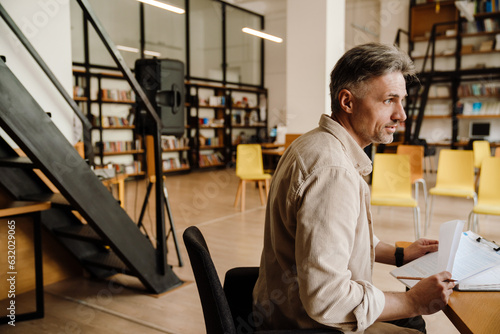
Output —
<point x="81" y="232"/>
<point x="54" y="198"/>
<point x="18" y="162"/>
<point x="107" y="260"/>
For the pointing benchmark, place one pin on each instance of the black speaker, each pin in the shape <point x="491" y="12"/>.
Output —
<point x="163" y="82"/>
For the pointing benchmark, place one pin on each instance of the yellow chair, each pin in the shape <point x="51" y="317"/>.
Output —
<point x="250" y="168"/>
<point x="455" y="177"/>
<point x="391" y="184"/>
<point x="481" y="149"/>
<point x="488" y="197"/>
<point x="416" y="153"/>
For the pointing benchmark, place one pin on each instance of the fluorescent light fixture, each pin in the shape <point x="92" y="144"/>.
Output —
<point x="136" y="50"/>
<point x="163" y="6"/>
<point x="262" y="35"/>
<point x="127" y="48"/>
<point x="152" y="53"/>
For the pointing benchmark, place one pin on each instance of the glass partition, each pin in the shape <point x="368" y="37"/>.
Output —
<point x="218" y="49"/>
<point x="124" y="32"/>
<point x="205" y="39"/>
<point x="243" y="51"/>
<point x="165" y="32"/>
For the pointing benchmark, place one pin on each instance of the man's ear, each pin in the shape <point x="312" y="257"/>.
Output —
<point x="346" y="100"/>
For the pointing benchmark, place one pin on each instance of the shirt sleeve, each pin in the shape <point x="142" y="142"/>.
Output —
<point x="376" y="240"/>
<point x="327" y="218"/>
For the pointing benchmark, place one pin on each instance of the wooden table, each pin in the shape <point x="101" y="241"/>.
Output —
<point x="474" y="312"/>
<point x="11" y="209"/>
<point x="119" y="181"/>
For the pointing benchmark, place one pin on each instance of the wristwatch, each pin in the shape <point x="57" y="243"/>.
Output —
<point x="400" y="256"/>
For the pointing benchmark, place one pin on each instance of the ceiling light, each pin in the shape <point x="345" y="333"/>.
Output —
<point x="163" y="6"/>
<point x="127" y="48"/>
<point x="152" y="53"/>
<point x="262" y="35"/>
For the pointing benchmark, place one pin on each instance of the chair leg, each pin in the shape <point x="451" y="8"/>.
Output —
<point x="475" y="227"/>
<point x="238" y="194"/>
<point x="424" y="190"/>
<point x="266" y="183"/>
<point x="416" y="220"/>
<point x="469" y="226"/>
<point x="243" y="192"/>
<point x="261" y="192"/>
<point x="429" y="214"/>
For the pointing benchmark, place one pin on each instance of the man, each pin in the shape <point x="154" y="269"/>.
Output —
<point x="319" y="247"/>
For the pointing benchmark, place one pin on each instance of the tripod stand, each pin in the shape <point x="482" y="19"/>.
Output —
<point x="151" y="182"/>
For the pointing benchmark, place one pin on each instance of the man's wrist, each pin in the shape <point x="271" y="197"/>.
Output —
<point x="399" y="254"/>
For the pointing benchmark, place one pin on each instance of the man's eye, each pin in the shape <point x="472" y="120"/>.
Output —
<point x="388" y="101"/>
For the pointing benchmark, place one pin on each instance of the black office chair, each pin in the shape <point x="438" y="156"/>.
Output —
<point x="227" y="310"/>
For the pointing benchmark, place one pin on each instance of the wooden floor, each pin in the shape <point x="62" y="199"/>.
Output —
<point x="205" y="199"/>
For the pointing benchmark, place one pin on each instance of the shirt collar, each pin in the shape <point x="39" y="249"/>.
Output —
<point x="360" y="160"/>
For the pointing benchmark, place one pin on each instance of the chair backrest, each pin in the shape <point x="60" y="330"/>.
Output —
<point x="455" y="169"/>
<point x="391" y="175"/>
<point x="249" y="159"/>
<point x="416" y="153"/>
<point x="489" y="183"/>
<point x="216" y="311"/>
<point x="290" y="137"/>
<point x="481" y="150"/>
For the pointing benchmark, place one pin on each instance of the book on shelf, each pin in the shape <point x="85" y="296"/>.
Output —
<point x="215" y="158"/>
<point x="172" y="142"/>
<point x="78" y="91"/>
<point x="114" y="121"/>
<point x="473" y="261"/>
<point x="117" y="146"/>
<point x="118" y="95"/>
<point x="468" y="108"/>
<point x="174" y="163"/>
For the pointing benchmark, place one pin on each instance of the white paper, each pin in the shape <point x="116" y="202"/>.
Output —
<point x="476" y="266"/>
<point x="449" y="240"/>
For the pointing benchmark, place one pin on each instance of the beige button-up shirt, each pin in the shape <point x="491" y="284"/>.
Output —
<point x="317" y="262"/>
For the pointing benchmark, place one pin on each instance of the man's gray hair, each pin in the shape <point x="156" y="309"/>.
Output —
<point x="365" y="62"/>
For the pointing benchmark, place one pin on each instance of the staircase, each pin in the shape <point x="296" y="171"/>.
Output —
<point x="109" y="242"/>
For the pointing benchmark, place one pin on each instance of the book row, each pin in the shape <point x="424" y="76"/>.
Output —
<point x="117" y="95"/>
<point x="110" y="121"/>
<point x="479" y="89"/>
<point x="172" y="142"/>
<point x="118" y="146"/>
<point x="174" y="163"/>
<point x="211" y="159"/>
<point x="479" y="108"/>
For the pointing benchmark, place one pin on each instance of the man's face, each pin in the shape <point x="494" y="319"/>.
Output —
<point x="377" y="113"/>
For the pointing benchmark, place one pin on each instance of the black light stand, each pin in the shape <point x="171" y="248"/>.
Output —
<point x="151" y="182"/>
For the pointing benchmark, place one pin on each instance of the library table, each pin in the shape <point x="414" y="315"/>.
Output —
<point x="8" y="211"/>
<point x="474" y="312"/>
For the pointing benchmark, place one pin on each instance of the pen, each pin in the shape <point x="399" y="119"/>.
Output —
<point x="421" y="278"/>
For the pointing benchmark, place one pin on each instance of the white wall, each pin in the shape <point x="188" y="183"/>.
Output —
<point x="315" y="41"/>
<point x="46" y="23"/>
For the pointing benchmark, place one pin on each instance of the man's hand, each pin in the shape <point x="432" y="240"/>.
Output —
<point x="428" y="296"/>
<point x="432" y="293"/>
<point x="419" y="248"/>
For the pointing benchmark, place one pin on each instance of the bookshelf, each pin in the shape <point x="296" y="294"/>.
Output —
<point x="466" y="65"/>
<point x="109" y="104"/>
<point x="220" y="118"/>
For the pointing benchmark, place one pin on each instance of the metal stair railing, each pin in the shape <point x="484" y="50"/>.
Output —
<point x="89" y="153"/>
<point x="161" y="250"/>
<point x="412" y="132"/>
